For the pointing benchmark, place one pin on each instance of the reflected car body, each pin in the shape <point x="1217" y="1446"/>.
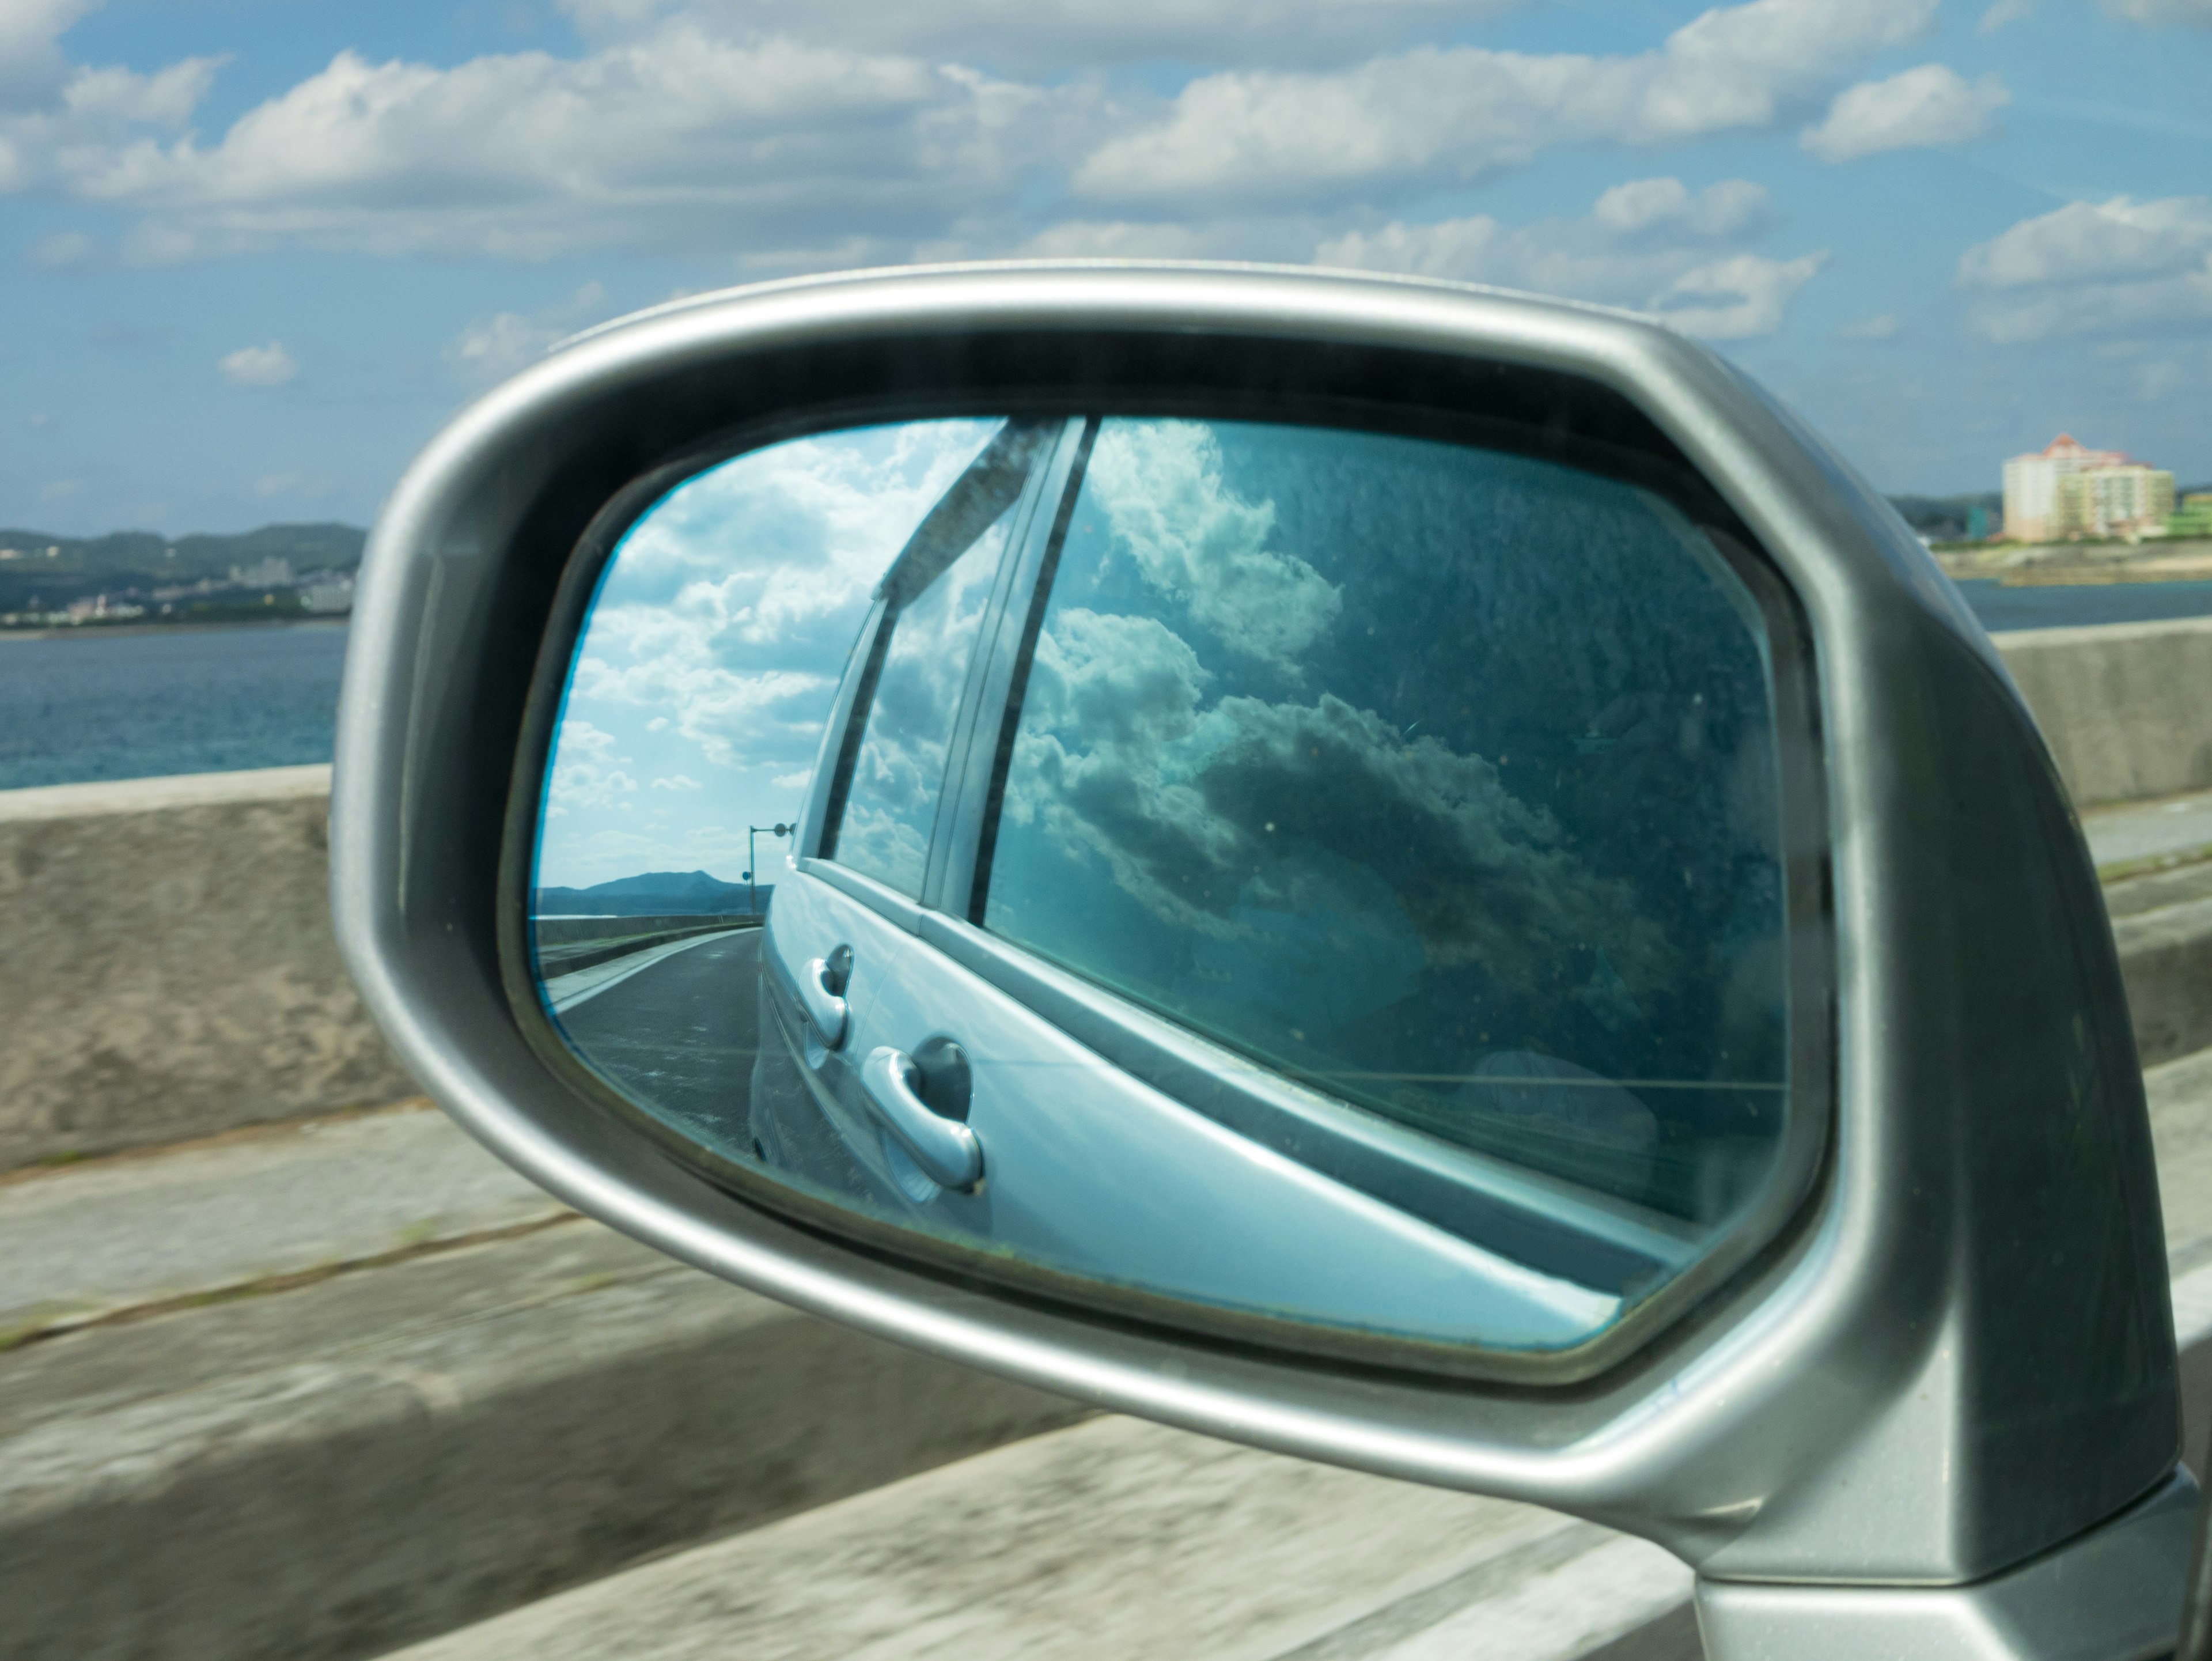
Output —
<point x="955" y="887"/>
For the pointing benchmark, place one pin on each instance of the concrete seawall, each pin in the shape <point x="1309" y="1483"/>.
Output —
<point x="167" y="965"/>
<point x="2126" y="708"/>
<point x="168" y="971"/>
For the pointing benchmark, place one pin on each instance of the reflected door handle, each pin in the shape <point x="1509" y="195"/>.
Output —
<point x="824" y="1007"/>
<point x="946" y="1150"/>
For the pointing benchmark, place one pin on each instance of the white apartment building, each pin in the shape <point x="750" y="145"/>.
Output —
<point x="2066" y="490"/>
<point x="2031" y="485"/>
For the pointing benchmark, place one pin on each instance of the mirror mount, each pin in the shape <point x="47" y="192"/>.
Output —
<point x="1983" y="1070"/>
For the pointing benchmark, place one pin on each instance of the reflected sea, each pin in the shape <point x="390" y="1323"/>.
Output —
<point x="138" y="703"/>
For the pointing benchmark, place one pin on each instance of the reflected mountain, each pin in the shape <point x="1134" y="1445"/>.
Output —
<point x="654" y="893"/>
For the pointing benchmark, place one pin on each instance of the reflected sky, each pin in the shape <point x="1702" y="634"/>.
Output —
<point x="715" y="645"/>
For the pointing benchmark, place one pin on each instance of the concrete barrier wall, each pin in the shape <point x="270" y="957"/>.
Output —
<point x="167" y="968"/>
<point x="2126" y="708"/>
<point x="167" y="965"/>
<point x="567" y="931"/>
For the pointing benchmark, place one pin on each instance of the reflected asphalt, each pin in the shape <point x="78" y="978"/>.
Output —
<point x="680" y="1034"/>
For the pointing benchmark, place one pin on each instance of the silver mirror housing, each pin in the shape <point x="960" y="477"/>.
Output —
<point x="1972" y="1279"/>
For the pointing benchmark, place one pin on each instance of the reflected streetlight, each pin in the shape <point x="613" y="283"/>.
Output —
<point x="752" y="863"/>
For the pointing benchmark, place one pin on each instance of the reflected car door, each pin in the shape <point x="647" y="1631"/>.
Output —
<point x="908" y="695"/>
<point x="1187" y="1003"/>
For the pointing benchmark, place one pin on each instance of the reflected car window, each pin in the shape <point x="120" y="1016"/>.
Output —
<point x="1440" y="779"/>
<point x="938" y="595"/>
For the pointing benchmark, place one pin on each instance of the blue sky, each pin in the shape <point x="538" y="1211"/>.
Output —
<point x="252" y="253"/>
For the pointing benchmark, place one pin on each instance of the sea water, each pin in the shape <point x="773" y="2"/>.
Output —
<point x="101" y="703"/>
<point x="127" y="703"/>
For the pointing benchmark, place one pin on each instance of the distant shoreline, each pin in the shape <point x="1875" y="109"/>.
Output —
<point x="112" y="631"/>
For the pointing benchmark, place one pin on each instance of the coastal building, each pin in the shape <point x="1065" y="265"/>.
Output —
<point x="2193" y="518"/>
<point x="2067" y="490"/>
<point x="2106" y="501"/>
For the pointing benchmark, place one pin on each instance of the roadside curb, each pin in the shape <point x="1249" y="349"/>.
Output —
<point x="552" y="1408"/>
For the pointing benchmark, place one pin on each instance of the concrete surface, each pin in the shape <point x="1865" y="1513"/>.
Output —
<point x="1116" y="1538"/>
<point x="557" y="960"/>
<point x="2123" y="706"/>
<point x="2161" y="917"/>
<point x="566" y="990"/>
<point x="2135" y="839"/>
<point x="83" y="1243"/>
<point x="2165" y="959"/>
<point x="335" y="1470"/>
<point x="569" y="931"/>
<point x="168" y="968"/>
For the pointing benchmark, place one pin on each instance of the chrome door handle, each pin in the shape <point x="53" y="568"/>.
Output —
<point x="946" y="1150"/>
<point x="825" y="1009"/>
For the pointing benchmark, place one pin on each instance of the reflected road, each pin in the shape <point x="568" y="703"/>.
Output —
<point x="679" y="1035"/>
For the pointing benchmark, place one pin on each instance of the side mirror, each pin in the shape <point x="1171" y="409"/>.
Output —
<point x="1405" y="876"/>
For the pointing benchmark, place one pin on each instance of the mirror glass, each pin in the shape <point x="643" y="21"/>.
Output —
<point x="1293" y="879"/>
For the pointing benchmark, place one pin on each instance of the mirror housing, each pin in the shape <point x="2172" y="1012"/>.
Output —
<point x="1988" y="1164"/>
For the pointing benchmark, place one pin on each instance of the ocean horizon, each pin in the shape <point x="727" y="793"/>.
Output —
<point x="77" y="707"/>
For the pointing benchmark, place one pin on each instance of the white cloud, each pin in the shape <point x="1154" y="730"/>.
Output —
<point x="2198" y="12"/>
<point x="1019" y="36"/>
<point x="61" y="490"/>
<point x="32" y="65"/>
<point x="679" y="781"/>
<point x="507" y="342"/>
<point x="1460" y="111"/>
<point x="1737" y="298"/>
<point x="1883" y="327"/>
<point x="1160" y="486"/>
<point x="55" y="115"/>
<point x="1651" y="244"/>
<point x="259" y="366"/>
<point x="61" y="248"/>
<point x="2091" y="267"/>
<point x="679" y="136"/>
<point x="291" y="484"/>
<point x="1922" y="108"/>
<point x="2003" y="13"/>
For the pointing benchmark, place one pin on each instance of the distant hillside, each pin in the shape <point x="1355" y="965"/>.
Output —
<point x="39" y="570"/>
<point x="656" y="893"/>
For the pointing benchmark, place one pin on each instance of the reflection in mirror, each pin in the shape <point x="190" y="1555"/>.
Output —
<point x="1308" y="881"/>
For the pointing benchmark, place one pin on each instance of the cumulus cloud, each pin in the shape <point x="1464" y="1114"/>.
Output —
<point x="498" y="346"/>
<point x="60" y="249"/>
<point x="586" y="771"/>
<point x="2198" y="12"/>
<point x="1160" y="485"/>
<point x="1929" y="106"/>
<point x="723" y="627"/>
<point x="679" y="136"/>
<point x="1652" y="244"/>
<point x="2003" y="13"/>
<point x="1017" y="35"/>
<point x="291" y="484"/>
<point x="2091" y="267"/>
<point x="1737" y="298"/>
<point x="259" y="366"/>
<point x="1207" y="815"/>
<point x="1885" y="326"/>
<point x="1461" y="111"/>
<point x="57" y="116"/>
<point x="857" y="131"/>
